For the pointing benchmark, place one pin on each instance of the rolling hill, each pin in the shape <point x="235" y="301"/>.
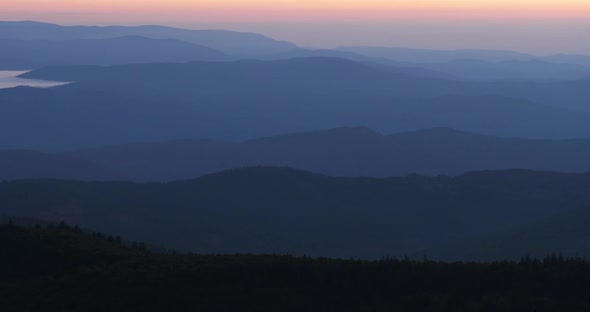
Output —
<point x="479" y="65"/>
<point x="444" y="56"/>
<point x="530" y="70"/>
<point x="565" y="233"/>
<point x="31" y="54"/>
<point x="250" y="99"/>
<point x="338" y="76"/>
<point x="280" y="210"/>
<point x="355" y="151"/>
<point x="23" y="164"/>
<point x="61" y="268"/>
<point x="438" y="56"/>
<point x="237" y="44"/>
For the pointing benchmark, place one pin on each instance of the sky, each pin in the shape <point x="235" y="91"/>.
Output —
<point x="535" y="26"/>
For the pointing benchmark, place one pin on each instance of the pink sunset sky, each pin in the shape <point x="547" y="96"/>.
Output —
<point x="538" y="26"/>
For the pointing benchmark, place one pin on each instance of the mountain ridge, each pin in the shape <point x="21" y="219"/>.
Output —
<point x="229" y="42"/>
<point x="264" y="209"/>
<point x="32" y="54"/>
<point x="348" y="151"/>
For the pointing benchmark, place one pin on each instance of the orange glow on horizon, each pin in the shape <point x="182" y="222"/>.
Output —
<point x="325" y="4"/>
<point x="533" y="26"/>
<point x="306" y="10"/>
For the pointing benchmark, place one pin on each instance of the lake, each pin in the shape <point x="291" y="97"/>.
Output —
<point x="9" y="79"/>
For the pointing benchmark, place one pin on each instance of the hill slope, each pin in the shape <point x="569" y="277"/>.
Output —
<point x="565" y="233"/>
<point x="274" y="210"/>
<point x="62" y="269"/>
<point x="22" y="164"/>
<point x="354" y="151"/>
<point x="252" y="99"/>
<point x="29" y="54"/>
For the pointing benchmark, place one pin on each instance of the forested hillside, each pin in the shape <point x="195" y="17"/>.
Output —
<point x="281" y="210"/>
<point x="61" y="269"/>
